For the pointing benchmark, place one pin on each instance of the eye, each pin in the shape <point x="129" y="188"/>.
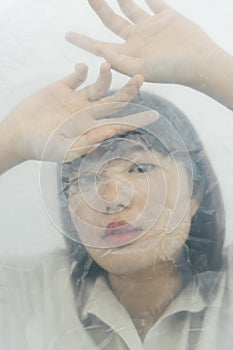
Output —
<point x="141" y="168"/>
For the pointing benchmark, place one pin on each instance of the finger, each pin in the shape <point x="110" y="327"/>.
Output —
<point x="89" y="142"/>
<point x="157" y="5"/>
<point x="127" y="65"/>
<point x="107" y="128"/>
<point x="131" y="122"/>
<point x="127" y="92"/>
<point x="87" y="43"/>
<point x="110" y="19"/>
<point x="111" y="104"/>
<point x="75" y="79"/>
<point x="132" y="11"/>
<point x="84" y="42"/>
<point x="100" y="88"/>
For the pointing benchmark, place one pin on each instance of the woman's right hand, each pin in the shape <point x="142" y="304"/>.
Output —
<point x="59" y="123"/>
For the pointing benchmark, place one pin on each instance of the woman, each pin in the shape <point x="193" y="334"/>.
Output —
<point x="59" y="327"/>
<point x="120" y="199"/>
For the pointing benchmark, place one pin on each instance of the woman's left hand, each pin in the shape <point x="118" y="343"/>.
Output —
<point x="164" y="47"/>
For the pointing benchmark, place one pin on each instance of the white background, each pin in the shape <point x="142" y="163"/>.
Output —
<point x="33" y="52"/>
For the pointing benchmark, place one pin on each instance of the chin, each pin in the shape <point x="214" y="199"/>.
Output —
<point x="122" y="260"/>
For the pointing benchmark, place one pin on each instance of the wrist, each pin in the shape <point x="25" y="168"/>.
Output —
<point x="215" y="76"/>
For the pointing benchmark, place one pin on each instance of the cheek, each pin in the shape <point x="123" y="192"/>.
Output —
<point x="80" y="208"/>
<point x="178" y="198"/>
<point x="171" y="243"/>
<point x="84" y="220"/>
<point x="150" y="194"/>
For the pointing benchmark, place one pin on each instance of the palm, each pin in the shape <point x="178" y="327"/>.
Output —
<point x="159" y="47"/>
<point x="59" y="118"/>
<point x="157" y="44"/>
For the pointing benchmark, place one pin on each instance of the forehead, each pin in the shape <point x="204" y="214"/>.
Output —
<point x="119" y="151"/>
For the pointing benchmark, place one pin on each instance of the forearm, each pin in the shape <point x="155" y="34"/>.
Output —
<point x="216" y="77"/>
<point x="9" y="154"/>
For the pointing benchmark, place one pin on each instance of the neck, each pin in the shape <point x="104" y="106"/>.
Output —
<point x="146" y="294"/>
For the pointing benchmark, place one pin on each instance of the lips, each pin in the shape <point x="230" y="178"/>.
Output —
<point x="120" y="232"/>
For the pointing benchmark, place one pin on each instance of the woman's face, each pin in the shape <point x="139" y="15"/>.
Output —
<point x="131" y="206"/>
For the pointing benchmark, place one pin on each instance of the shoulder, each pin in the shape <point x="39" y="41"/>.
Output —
<point x="23" y="272"/>
<point x="222" y="284"/>
<point x="27" y="262"/>
<point x="228" y="262"/>
<point x="37" y="302"/>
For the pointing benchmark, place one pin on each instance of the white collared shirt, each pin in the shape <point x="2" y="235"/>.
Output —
<point x="38" y="311"/>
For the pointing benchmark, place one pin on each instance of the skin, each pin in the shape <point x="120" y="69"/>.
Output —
<point x="60" y="123"/>
<point x="165" y="48"/>
<point x="142" y="273"/>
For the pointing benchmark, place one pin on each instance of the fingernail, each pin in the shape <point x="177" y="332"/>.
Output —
<point x="148" y="117"/>
<point x="81" y="67"/>
<point x="140" y="79"/>
<point x="105" y="66"/>
<point x="152" y="114"/>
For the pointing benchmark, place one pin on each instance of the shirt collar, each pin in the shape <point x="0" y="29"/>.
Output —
<point x="104" y="305"/>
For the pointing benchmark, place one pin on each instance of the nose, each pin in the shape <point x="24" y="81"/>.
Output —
<point x="108" y="190"/>
<point x="115" y="194"/>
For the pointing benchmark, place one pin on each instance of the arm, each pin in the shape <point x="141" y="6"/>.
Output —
<point x="164" y="48"/>
<point x="60" y="124"/>
<point x="9" y="154"/>
<point x="217" y="77"/>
